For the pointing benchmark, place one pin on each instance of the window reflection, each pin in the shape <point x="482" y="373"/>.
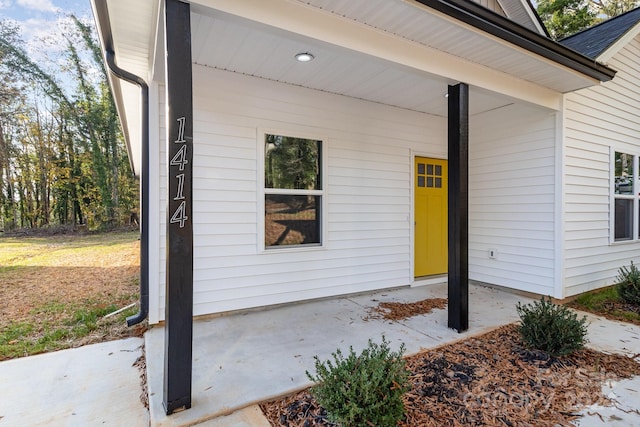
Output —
<point x="623" y="173"/>
<point x="291" y="220"/>
<point x="292" y="163"/>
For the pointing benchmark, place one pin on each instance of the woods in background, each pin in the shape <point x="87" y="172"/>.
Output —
<point x="63" y="160"/>
<point x="566" y="17"/>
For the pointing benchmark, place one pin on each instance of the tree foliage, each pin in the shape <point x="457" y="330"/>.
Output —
<point x="62" y="155"/>
<point x="566" y="17"/>
<point x="292" y="163"/>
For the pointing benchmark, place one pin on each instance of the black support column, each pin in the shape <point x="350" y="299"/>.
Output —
<point x="179" y="279"/>
<point x="459" y="207"/>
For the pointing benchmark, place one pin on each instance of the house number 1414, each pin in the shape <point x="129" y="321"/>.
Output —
<point x="180" y="159"/>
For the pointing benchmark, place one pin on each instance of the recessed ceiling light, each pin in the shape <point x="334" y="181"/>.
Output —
<point x="304" y="57"/>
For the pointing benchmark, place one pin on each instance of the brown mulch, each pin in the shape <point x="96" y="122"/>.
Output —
<point x="141" y="364"/>
<point x="489" y="380"/>
<point x="400" y="311"/>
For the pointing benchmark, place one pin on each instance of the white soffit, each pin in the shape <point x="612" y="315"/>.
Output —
<point x="228" y="43"/>
<point x="418" y="23"/>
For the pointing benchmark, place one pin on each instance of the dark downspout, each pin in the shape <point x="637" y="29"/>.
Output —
<point x="144" y="189"/>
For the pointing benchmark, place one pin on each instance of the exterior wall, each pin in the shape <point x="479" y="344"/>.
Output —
<point x="598" y="120"/>
<point x="512" y="198"/>
<point x="368" y="187"/>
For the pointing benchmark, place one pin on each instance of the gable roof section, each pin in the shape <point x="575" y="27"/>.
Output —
<point x="523" y="12"/>
<point x="594" y="42"/>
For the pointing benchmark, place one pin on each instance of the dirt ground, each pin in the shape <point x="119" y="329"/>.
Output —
<point x="45" y="280"/>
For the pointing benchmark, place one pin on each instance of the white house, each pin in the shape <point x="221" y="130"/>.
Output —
<point x="600" y="170"/>
<point x="281" y="180"/>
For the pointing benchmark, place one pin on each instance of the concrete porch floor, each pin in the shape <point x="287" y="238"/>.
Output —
<point x="242" y="359"/>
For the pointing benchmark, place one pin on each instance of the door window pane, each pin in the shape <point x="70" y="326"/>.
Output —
<point x="291" y="220"/>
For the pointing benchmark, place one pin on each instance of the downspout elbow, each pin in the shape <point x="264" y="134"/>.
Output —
<point x="144" y="188"/>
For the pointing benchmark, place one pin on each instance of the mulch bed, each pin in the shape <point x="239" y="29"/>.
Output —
<point x="489" y="380"/>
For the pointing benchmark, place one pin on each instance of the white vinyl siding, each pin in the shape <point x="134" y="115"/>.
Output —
<point x="368" y="191"/>
<point x="599" y="121"/>
<point x="511" y="198"/>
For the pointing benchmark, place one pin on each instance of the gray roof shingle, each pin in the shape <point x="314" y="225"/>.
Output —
<point x="593" y="41"/>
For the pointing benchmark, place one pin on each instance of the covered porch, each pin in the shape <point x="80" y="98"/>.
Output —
<point x="249" y="357"/>
<point x="389" y="81"/>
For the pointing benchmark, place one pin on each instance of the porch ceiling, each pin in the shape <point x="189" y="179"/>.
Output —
<point x="229" y="43"/>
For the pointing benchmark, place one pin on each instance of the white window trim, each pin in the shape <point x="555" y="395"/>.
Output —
<point x="306" y="134"/>
<point x="613" y="196"/>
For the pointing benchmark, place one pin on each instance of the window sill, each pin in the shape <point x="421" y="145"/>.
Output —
<point x="291" y="249"/>
<point x="624" y="242"/>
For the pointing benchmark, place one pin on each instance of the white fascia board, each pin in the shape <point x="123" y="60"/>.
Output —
<point x="311" y="22"/>
<point x="606" y="56"/>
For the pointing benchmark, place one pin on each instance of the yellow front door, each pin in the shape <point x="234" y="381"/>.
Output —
<point x="431" y="236"/>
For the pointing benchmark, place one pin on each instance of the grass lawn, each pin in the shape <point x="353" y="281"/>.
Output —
<point x="55" y="291"/>
<point x="607" y="303"/>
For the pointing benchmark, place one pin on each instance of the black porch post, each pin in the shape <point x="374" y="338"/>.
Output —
<point x="179" y="279"/>
<point x="459" y="207"/>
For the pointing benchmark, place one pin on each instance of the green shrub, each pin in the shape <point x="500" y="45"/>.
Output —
<point x="551" y="328"/>
<point x="628" y="286"/>
<point x="362" y="390"/>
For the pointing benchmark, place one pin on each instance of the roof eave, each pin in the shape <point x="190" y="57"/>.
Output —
<point x="483" y="19"/>
<point x="103" y="24"/>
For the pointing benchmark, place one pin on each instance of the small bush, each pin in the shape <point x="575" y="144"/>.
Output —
<point x="551" y="328"/>
<point x="628" y="286"/>
<point x="364" y="390"/>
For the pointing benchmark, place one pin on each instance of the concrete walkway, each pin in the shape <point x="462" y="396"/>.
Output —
<point x="615" y="337"/>
<point x="94" y="385"/>
<point x="242" y="359"/>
